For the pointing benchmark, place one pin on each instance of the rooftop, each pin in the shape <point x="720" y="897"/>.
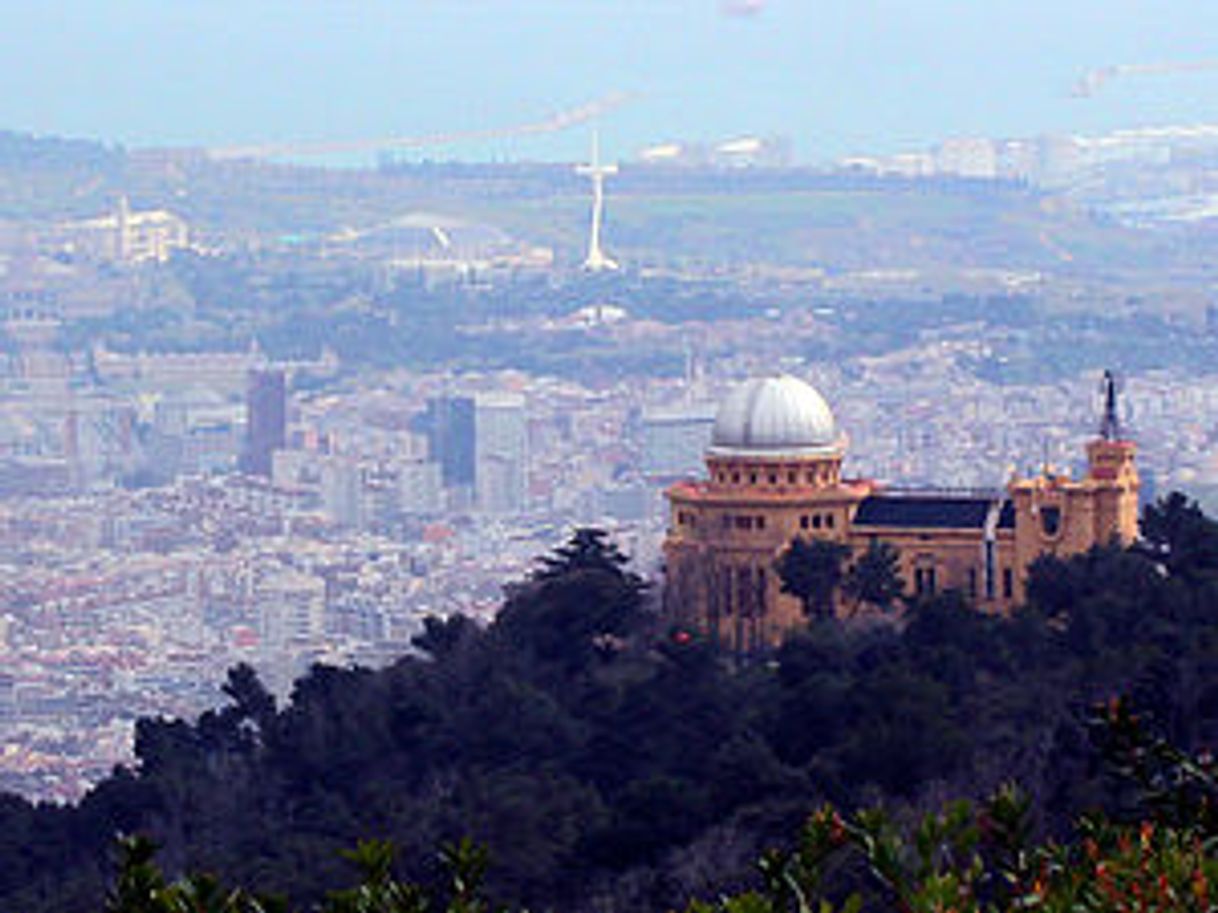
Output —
<point x="775" y="416"/>
<point x="932" y="511"/>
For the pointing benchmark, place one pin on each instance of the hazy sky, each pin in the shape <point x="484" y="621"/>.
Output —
<point x="836" y="76"/>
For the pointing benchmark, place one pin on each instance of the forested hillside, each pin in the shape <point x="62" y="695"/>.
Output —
<point x="610" y="764"/>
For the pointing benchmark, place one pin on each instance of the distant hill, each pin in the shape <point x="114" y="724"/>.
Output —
<point x="703" y="218"/>
<point x="26" y="151"/>
<point x="45" y="177"/>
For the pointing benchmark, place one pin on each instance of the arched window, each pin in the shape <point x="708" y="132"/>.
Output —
<point x="1051" y="520"/>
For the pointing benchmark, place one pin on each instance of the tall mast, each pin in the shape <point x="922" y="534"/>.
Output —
<point x="596" y="260"/>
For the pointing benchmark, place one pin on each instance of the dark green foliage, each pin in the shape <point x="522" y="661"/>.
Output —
<point x="1176" y="533"/>
<point x="378" y="890"/>
<point x="140" y="887"/>
<point x="963" y="856"/>
<point x="588" y="550"/>
<point x="441" y="636"/>
<point x="875" y="577"/>
<point x="252" y="705"/>
<point x="811" y="570"/>
<point x="1153" y="777"/>
<point x="576" y="607"/>
<point x="605" y="767"/>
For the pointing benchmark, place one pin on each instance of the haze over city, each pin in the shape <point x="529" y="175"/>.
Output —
<point x="836" y="78"/>
<point x="608" y="457"/>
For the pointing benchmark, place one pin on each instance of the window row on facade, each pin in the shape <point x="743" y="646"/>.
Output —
<point x="926" y="583"/>
<point x="743" y="521"/>
<point x="817" y="521"/>
<point x="822" y="475"/>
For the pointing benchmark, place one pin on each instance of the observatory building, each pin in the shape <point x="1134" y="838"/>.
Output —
<point x="774" y="474"/>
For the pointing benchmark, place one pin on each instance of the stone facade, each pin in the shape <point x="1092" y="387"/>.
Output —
<point x="765" y="488"/>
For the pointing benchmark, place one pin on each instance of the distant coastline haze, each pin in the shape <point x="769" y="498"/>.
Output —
<point x="835" y="78"/>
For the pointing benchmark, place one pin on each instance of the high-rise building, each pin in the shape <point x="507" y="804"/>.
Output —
<point x="448" y="425"/>
<point x="501" y="452"/>
<point x="422" y="490"/>
<point x="265" y="420"/>
<point x="342" y="491"/>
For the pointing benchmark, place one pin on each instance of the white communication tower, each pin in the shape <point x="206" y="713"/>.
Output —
<point x="596" y="261"/>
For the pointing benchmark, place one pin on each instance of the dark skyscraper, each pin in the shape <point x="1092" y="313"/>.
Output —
<point x="449" y="426"/>
<point x="265" y="420"/>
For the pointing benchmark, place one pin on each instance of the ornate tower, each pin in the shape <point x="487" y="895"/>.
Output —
<point x="1057" y="515"/>
<point x="1113" y="473"/>
<point x="773" y="473"/>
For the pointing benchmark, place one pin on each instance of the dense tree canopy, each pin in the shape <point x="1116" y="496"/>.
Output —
<point x="963" y="856"/>
<point x="607" y="766"/>
<point x="1181" y="537"/>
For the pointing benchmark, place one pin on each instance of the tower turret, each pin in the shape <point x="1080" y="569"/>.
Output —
<point x="1058" y="515"/>
<point x="1113" y="474"/>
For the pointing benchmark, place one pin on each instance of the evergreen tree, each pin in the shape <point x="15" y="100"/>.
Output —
<point x="589" y="549"/>
<point x="1177" y="534"/>
<point x="875" y="577"/>
<point x="812" y="572"/>
<point x="576" y="606"/>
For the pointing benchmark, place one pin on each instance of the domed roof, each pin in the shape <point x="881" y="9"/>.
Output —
<point x="774" y="416"/>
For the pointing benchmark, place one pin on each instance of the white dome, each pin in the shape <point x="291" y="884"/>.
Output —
<point x="774" y="416"/>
